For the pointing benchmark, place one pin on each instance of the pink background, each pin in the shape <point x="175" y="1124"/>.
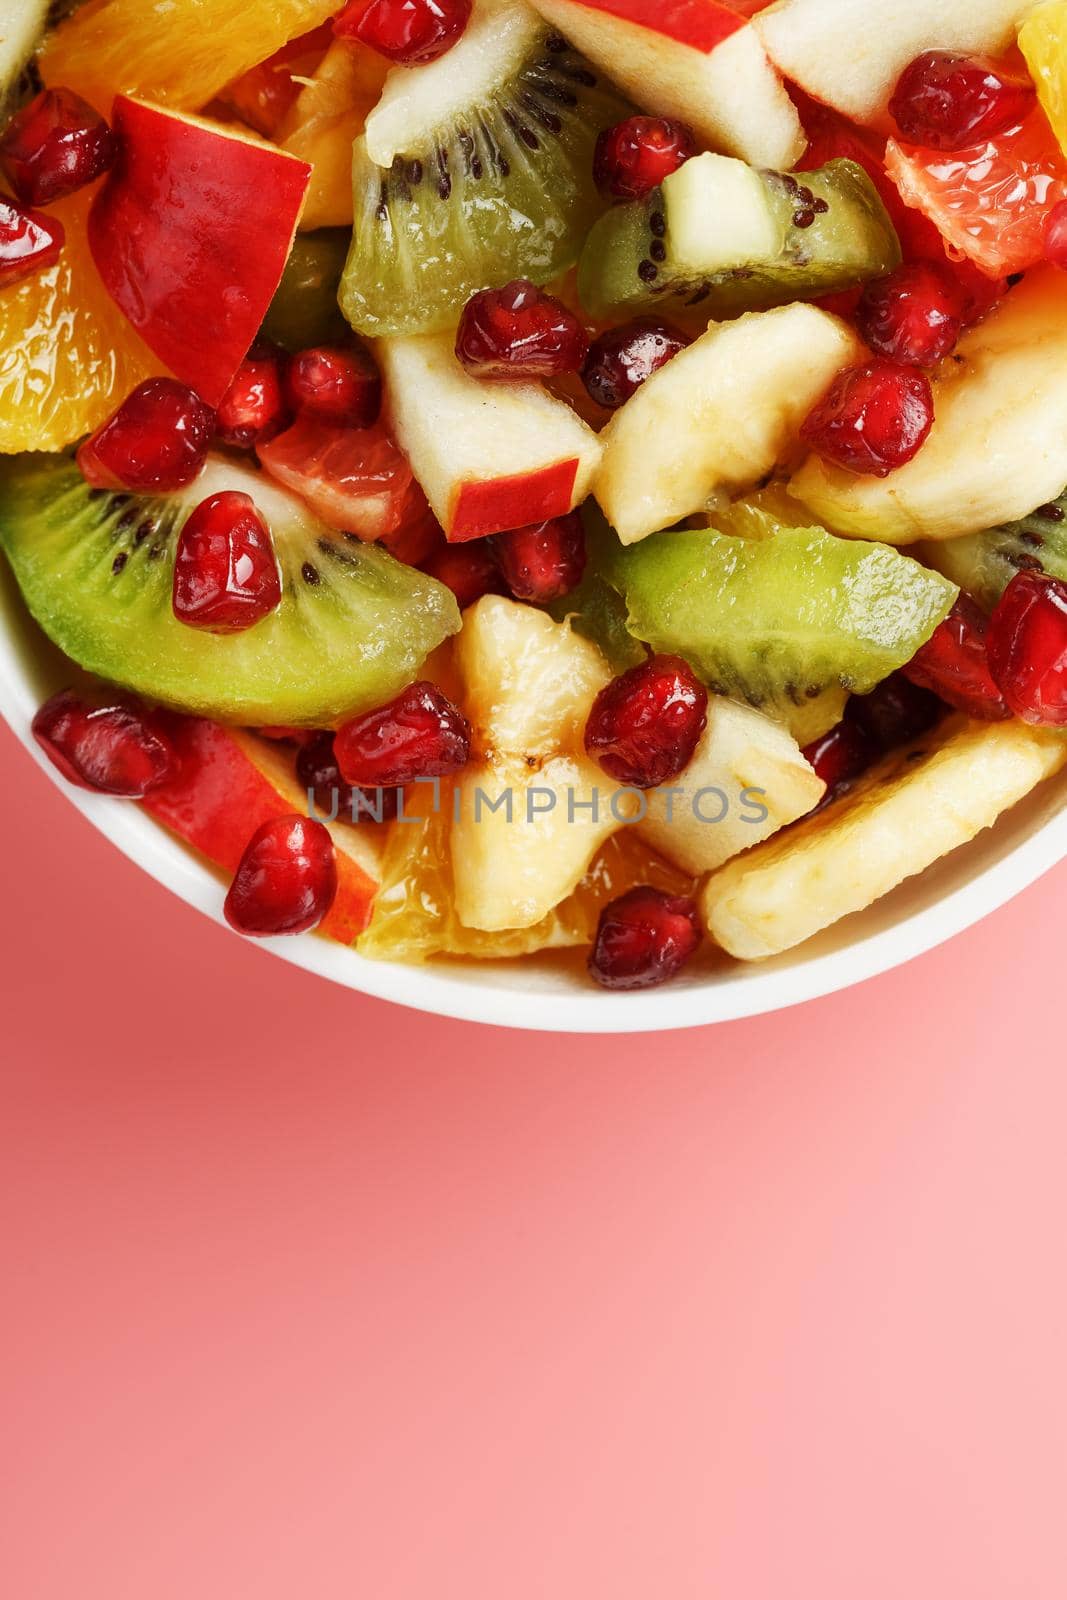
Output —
<point x="306" y="1296"/>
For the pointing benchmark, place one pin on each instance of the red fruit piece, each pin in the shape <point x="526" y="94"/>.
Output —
<point x="420" y="734"/>
<point x="644" y="938"/>
<point x="29" y="241"/>
<point x="469" y="570"/>
<point x="286" y="881"/>
<point x="117" y="748"/>
<point x="622" y="359"/>
<point x="895" y="713"/>
<point x="954" y="665"/>
<point x="342" y="387"/>
<point x="519" y="332"/>
<point x="544" y="561"/>
<point x="635" y="156"/>
<point x="318" y="773"/>
<point x="915" y="315"/>
<point x="55" y="145"/>
<point x="226" y="574"/>
<point x="254" y="407"/>
<point x="841" y="756"/>
<point x="356" y="479"/>
<point x="947" y="101"/>
<point x="644" y="726"/>
<point x="1027" y="644"/>
<point x="405" y="31"/>
<point x="874" y="419"/>
<point x="1056" y="235"/>
<point x="156" y="441"/>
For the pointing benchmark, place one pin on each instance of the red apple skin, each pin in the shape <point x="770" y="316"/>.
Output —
<point x="701" y="24"/>
<point x="190" y="234"/>
<point x="495" y="505"/>
<point x="219" y="798"/>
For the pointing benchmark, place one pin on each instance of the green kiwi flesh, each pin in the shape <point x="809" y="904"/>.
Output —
<point x="505" y="190"/>
<point x="304" y="311"/>
<point x="96" y="571"/>
<point x="984" y="563"/>
<point x="634" y="260"/>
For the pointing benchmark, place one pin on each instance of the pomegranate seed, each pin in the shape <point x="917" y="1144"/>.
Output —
<point x="157" y="440"/>
<point x="1056" y="235"/>
<point x="420" y="734"/>
<point x="116" y="748"/>
<point x="544" y="561"/>
<point x="895" y="713"/>
<point x="954" y="665"/>
<point x="915" y="315"/>
<point x="405" y="31"/>
<point x="644" y="938"/>
<point x="29" y="241"/>
<point x="286" y="881"/>
<point x="55" y="145"/>
<point x="621" y="360"/>
<point x="469" y="570"/>
<point x="947" y="101"/>
<point x="342" y="387"/>
<point x="635" y="156"/>
<point x="644" y="727"/>
<point x="318" y="773"/>
<point x="840" y="757"/>
<point x="1027" y="643"/>
<point x="254" y="407"/>
<point x="225" y="571"/>
<point x="519" y="332"/>
<point x="874" y="419"/>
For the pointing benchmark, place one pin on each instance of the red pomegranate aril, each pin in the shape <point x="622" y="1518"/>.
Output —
<point x="318" y="773"/>
<point x="643" y="939"/>
<point x="915" y="315"/>
<point x="286" y="881"/>
<point x="420" y="734"/>
<point x="622" y="359"/>
<point x="544" y="561"/>
<point x="254" y="407"/>
<point x="841" y="756"/>
<point x="1027" y="644"/>
<point x="116" y="748"/>
<point x="1056" y="235"/>
<point x="469" y="570"/>
<point x="519" y="332"/>
<point x="635" y="156"/>
<point x="895" y="713"/>
<point x="946" y="101"/>
<point x="408" y="32"/>
<point x="54" y="146"/>
<point x="226" y="574"/>
<point x="156" y="441"/>
<point x="342" y="387"/>
<point x="29" y="241"/>
<point x="645" y="726"/>
<point x="874" y="419"/>
<point x="954" y="664"/>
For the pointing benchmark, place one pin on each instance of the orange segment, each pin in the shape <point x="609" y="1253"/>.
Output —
<point x="177" y="52"/>
<point x="1043" y="40"/>
<point x="325" y="121"/>
<point x="68" y="356"/>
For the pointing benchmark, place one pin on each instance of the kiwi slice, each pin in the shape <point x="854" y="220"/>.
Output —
<point x="96" y="571"/>
<point x="985" y="563"/>
<point x="719" y="238"/>
<point x="475" y="175"/>
<point x="304" y="311"/>
<point x="788" y="620"/>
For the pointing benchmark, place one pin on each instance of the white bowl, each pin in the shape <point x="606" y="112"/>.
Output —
<point x="553" y="993"/>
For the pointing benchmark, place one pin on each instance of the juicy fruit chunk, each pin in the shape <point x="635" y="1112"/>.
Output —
<point x="873" y="419"/>
<point x="947" y="101"/>
<point x="916" y="315"/>
<point x="519" y="332"/>
<point x="983" y="564"/>
<point x="635" y="156"/>
<point x="115" y="748"/>
<point x="915" y="806"/>
<point x="263" y="97"/>
<point x="643" y="939"/>
<point x="338" y="386"/>
<point x="644" y="726"/>
<point x="304" y="311"/>
<point x="999" y="439"/>
<point x="954" y="664"/>
<point x="420" y="734"/>
<point x="543" y="562"/>
<point x="29" y="242"/>
<point x="622" y="359"/>
<point x="473" y="171"/>
<point x="718" y="238"/>
<point x="55" y="145"/>
<point x="776" y="621"/>
<point x="254" y="407"/>
<point x="286" y="881"/>
<point x="1028" y="648"/>
<point x="226" y="575"/>
<point x="322" y="127"/>
<point x="355" y="479"/>
<point x="1041" y="39"/>
<point x="157" y="440"/>
<point x="409" y="32"/>
<point x="97" y="572"/>
<point x="719" y="417"/>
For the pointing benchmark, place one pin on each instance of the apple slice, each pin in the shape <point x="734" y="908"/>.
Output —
<point x="489" y="456"/>
<point x="719" y="417"/>
<point x="998" y="446"/>
<point x="229" y="783"/>
<point x="697" y="60"/>
<point x="191" y="233"/>
<point x="747" y="780"/>
<point x="850" y="53"/>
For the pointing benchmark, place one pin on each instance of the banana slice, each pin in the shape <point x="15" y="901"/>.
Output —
<point x="914" y="807"/>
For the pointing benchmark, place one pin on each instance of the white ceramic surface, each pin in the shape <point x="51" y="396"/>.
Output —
<point x="553" y="994"/>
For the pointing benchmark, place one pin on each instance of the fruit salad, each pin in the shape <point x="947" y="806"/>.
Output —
<point x="513" y="476"/>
